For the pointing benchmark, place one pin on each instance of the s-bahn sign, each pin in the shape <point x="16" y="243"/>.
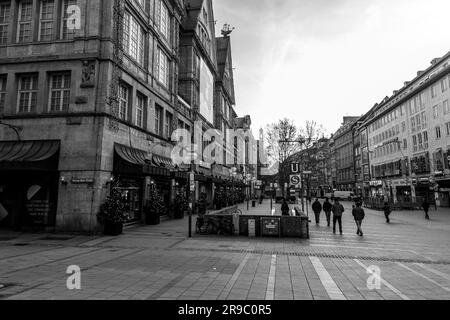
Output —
<point x="295" y="180"/>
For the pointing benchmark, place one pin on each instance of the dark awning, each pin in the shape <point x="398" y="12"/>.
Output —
<point x="445" y="184"/>
<point x="28" y="151"/>
<point x="131" y="155"/>
<point x="163" y="162"/>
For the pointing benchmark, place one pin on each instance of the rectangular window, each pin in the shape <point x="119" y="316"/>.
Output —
<point x="141" y="105"/>
<point x="405" y="144"/>
<point x="163" y="68"/>
<point x="133" y="38"/>
<point x="403" y="126"/>
<point x="422" y="100"/>
<point x="424" y="120"/>
<point x="59" y="92"/>
<point x="433" y="91"/>
<point x="158" y="120"/>
<point x="27" y="95"/>
<point x="2" y="93"/>
<point x="448" y="128"/>
<point x="425" y="139"/>
<point x="420" y="141"/>
<point x="438" y="132"/>
<point x="168" y="125"/>
<point x="24" y="30"/>
<point x="444" y="84"/>
<point x="123" y="102"/>
<point x="46" y="20"/>
<point x="436" y="112"/>
<point x="413" y="124"/>
<point x="68" y="25"/>
<point x="415" y="143"/>
<point x="164" y="20"/>
<point x="5" y="14"/>
<point x="446" y="107"/>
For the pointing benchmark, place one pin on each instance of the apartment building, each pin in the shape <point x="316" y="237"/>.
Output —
<point x="409" y="139"/>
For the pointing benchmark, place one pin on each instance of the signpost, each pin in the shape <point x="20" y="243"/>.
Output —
<point x="191" y="204"/>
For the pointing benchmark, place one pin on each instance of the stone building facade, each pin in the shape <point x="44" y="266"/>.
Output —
<point x="90" y="93"/>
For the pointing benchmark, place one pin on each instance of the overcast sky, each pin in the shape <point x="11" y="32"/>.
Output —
<point x="325" y="59"/>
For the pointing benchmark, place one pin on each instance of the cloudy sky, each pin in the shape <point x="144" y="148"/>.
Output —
<point x="324" y="59"/>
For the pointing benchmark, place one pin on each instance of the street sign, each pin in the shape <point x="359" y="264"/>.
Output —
<point x="192" y="182"/>
<point x="295" y="180"/>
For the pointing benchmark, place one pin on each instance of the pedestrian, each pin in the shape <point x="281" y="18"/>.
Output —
<point x="261" y="198"/>
<point x="387" y="211"/>
<point x="317" y="209"/>
<point x="285" y="208"/>
<point x="359" y="214"/>
<point x="426" y="207"/>
<point x="338" y="210"/>
<point x="327" y="206"/>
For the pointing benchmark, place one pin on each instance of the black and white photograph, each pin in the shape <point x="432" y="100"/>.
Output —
<point x="225" y="155"/>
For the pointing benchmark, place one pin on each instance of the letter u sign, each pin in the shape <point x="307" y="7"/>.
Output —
<point x="295" y="167"/>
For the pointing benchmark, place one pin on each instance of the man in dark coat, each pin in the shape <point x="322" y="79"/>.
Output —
<point x="327" y="206"/>
<point x="426" y="208"/>
<point x="359" y="214"/>
<point x="338" y="210"/>
<point x="285" y="208"/>
<point x="317" y="209"/>
<point x="387" y="211"/>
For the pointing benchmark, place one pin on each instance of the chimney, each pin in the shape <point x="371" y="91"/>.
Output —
<point x="419" y="73"/>
<point x="407" y="83"/>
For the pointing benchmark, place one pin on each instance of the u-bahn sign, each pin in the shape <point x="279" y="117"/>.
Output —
<point x="295" y="168"/>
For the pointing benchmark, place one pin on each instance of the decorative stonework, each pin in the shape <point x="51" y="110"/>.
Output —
<point x="88" y="74"/>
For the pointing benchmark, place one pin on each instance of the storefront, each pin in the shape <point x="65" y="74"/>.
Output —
<point x="29" y="182"/>
<point x="443" y="192"/>
<point x="376" y="188"/>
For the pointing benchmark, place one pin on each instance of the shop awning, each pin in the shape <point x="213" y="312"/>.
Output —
<point x="28" y="151"/>
<point x="131" y="155"/>
<point x="163" y="162"/>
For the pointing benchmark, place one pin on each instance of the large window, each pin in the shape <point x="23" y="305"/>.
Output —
<point x="68" y="25"/>
<point x="24" y="29"/>
<point x="123" y="101"/>
<point x="158" y="120"/>
<point x="164" y="20"/>
<point x="2" y="93"/>
<point x="27" y="95"/>
<point x="168" y="125"/>
<point x="141" y="104"/>
<point x="47" y="12"/>
<point x="446" y="107"/>
<point x="59" y="92"/>
<point x="133" y="38"/>
<point x="163" y="68"/>
<point x="438" y="132"/>
<point x="5" y="14"/>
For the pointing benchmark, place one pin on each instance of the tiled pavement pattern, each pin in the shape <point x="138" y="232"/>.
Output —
<point x="160" y="262"/>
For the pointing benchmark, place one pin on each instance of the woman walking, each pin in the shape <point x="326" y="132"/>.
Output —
<point x="387" y="211"/>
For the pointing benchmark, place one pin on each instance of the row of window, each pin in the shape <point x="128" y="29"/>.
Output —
<point x="388" y="149"/>
<point x="164" y="120"/>
<point x="27" y="91"/>
<point x="55" y="20"/>
<point x="439" y="132"/>
<point x="413" y="106"/>
<point x="437" y="109"/>
<point x="420" y="141"/>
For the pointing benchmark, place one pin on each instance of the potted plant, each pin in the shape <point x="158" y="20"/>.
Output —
<point x="153" y="208"/>
<point x="181" y="205"/>
<point x="113" y="214"/>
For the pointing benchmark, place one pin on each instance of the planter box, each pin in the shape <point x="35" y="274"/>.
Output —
<point x="113" y="228"/>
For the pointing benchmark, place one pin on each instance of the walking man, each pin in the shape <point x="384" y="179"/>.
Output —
<point x="285" y="208"/>
<point x="426" y="208"/>
<point x="317" y="208"/>
<point x="387" y="211"/>
<point x="338" y="210"/>
<point x="327" y="206"/>
<point x="359" y="214"/>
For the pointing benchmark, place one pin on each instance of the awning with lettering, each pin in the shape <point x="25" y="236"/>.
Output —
<point x="29" y="155"/>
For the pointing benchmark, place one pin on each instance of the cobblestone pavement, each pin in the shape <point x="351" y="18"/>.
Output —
<point x="161" y="262"/>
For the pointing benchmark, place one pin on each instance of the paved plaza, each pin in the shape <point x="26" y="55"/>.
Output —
<point x="162" y="263"/>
